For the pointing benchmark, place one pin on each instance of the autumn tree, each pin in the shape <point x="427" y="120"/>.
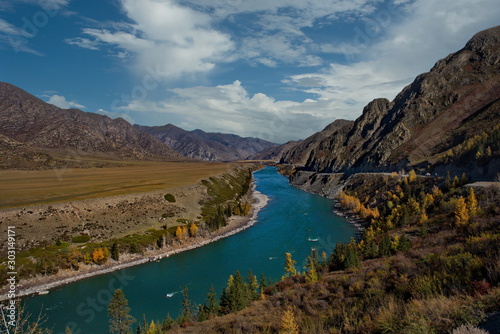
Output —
<point x="312" y="266"/>
<point x="193" y="230"/>
<point x="100" y="255"/>
<point x="412" y="176"/>
<point x="461" y="213"/>
<point x="288" y="323"/>
<point x="472" y="205"/>
<point x="180" y="233"/>
<point x="119" y="318"/>
<point x="289" y="266"/>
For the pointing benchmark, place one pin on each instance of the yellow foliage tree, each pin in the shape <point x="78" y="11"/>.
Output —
<point x="423" y="217"/>
<point x="461" y="213"/>
<point x="180" y="232"/>
<point x="98" y="256"/>
<point x="428" y="200"/>
<point x="288" y="324"/>
<point x="412" y="176"/>
<point x="472" y="205"/>
<point x="193" y="230"/>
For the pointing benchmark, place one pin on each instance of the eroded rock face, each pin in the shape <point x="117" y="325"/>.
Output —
<point x="31" y="121"/>
<point x="457" y="99"/>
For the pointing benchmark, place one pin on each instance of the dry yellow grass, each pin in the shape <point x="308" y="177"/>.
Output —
<point x="23" y="188"/>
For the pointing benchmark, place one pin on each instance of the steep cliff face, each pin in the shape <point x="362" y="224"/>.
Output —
<point x="300" y="153"/>
<point x="202" y="145"/>
<point x="457" y="100"/>
<point x="31" y="121"/>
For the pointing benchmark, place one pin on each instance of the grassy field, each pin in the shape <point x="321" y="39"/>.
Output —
<point x="23" y="188"/>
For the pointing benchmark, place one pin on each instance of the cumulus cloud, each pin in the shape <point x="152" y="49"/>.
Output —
<point x="390" y="51"/>
<point x="230" y="108"/>
<point x="390" y="43"/>
<point x="61" y="102"/>
<point x="165" y="35"/>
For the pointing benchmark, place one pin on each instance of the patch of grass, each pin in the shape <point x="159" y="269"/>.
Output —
<point x="80" y="239"/>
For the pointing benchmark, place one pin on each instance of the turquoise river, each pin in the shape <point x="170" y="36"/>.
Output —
<point x="292" y="221"/>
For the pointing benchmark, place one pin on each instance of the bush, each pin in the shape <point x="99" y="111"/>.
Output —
<point x="80" y="239"/>
<point x="170" y="198"/>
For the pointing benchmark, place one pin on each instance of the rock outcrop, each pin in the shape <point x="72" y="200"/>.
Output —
<point x="433" y="116"/>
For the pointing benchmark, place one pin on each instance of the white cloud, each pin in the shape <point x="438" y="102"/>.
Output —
<point x="61" y="102"/>
<point x="388" y="49"/>
<point x="164" y="35"/>
<point x="83" y="43"/>
<point x="396" y="52"/>
<point x="229" y="108"/>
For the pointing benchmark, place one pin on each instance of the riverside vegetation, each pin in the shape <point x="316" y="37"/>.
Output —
<point x="428" y="262"/>
<point x="225" y="198"/>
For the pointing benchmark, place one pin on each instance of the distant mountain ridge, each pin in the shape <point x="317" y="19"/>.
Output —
<point x="448" y="116"/>
<point x="39" y="125"/>
<point x="201" y="145"/>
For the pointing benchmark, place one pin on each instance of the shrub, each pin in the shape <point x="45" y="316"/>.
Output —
<point x="466" y="329"/>
<point x="170" y="198"/>
<point x="80" y="239"/>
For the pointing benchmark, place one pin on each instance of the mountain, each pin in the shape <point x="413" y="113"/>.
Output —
<point x="39" y="126"/>
<point x="446" y="118"/>
<point x="276" y="152"/>
<point x="202" y="145"/>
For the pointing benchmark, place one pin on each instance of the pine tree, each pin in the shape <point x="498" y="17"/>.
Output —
<point x="461" y="213"/>
<point x="288" y="324"/>
<point x="234" y="297"/>
<point x="120" y="320"/>
<point x="115" y="253"/>
<point x="167" y="323"/>
<point x="187" y="313"/>
<point x="472" y="205"/>
<point x="253" y="286"/>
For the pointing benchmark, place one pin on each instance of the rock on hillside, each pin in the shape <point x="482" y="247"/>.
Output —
<point x="457" y="100"/>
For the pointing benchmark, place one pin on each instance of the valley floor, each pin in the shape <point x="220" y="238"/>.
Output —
<point x="235" y="224"/>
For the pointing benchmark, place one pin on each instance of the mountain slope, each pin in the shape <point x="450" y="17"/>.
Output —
<point x="457" y="100"/>
<point x="31" y="121"/>
<point x="201" y="145"/>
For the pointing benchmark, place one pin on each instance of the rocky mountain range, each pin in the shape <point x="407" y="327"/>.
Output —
<point x="448" y="117"/>
<point x="30" y="127"/>
<point x="202" y="145"/>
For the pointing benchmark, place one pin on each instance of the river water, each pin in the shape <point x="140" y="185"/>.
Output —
<point x="293" y="221"/>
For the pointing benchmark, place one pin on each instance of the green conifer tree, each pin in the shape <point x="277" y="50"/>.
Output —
<point x="120" y="320"/>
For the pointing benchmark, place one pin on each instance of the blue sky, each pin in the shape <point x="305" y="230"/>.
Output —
<point x="273" y="69"/>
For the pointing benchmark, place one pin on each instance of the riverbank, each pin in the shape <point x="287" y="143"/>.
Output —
<point x="235" y="224"/>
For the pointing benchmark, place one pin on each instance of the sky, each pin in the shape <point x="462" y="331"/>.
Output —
<point x="273" y="69"/>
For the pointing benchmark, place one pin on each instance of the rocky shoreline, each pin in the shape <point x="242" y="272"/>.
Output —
<point x="41" y="285"/>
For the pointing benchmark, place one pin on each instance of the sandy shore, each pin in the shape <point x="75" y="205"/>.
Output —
<point x="235" y="224"/>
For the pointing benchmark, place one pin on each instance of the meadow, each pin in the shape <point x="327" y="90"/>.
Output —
<point x="32" y="187"/>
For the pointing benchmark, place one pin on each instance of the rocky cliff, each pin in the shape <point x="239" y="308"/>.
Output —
<point x="442" y="118"/>
<point x="202" y="145"/>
